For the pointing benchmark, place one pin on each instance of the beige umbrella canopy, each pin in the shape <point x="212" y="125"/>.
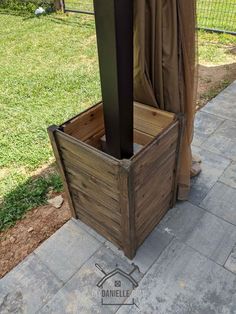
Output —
<point x="164" y="71"/>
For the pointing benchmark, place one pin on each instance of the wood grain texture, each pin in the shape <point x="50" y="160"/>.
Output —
<point x="52" y="130"/>
<point x="86" y="124"/>
<point x="123" y="200"/>
<point x="127" y="209"/>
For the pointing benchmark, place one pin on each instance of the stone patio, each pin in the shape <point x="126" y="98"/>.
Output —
<point x="186" y="266"/>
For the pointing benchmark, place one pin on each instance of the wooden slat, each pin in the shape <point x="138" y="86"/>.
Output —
<point x="86" y="124"/>
<point x="150" y="113"/>
<point x="52" y="130"/>
<point x="96" y="194"/>
<point x="91" y="160"/>
<point x="158" y="150"/>
<point x="142" y="138"/>
<point x="87" y="182"/>
<point x="86" y="203"/>
<point x="152" y="188"/>
<point x="148" y="172"/>
<point x="101" y="229"/>
<point x="153" y="220"/>
<point x="149" y="208"/>
<point x="70" y="162"/>
<point x="181" y="119"/>
<point x="127" y="209"/>
<point x="151" y="120"/>
<point x="95" y="140"/>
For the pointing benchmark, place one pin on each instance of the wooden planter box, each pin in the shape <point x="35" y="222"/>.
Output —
<point x="123" y="200"/>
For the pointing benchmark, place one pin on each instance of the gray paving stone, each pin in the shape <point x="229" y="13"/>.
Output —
<point x="229" y="176"/>
<point x="82" y="295"/>
<point x="221" y="201"/>
<point x="205" y="124"/>
<point x="89" y="230"/>
<point x="66" y="251"/>
<point x="223" y="141"/>
<point x="184" y="282"/>
<point x="231" y="261"/>
<point x="224" y="105"/>
<point x="213" y="167"/>
<point x="27" y="287"/>
<point x="149" y="251"/>
<point x="201" y="230"/>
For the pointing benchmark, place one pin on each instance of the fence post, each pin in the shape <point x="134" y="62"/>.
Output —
<point x="59" y="5"/>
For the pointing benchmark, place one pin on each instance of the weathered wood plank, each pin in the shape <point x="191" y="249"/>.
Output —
<point x="52" y="130"/>
<point x="87" y="182"/>
<point x="156" y="153"/>
<point x="71" y="162"/>
<point x="150" y="171"/>
<point x="103" y="230"/>
<point x="96" y="162"/>
<point x="105" y="200"/>
<point x="95" y="140"/>
<point x="86" y="124"/>
<point x="149" y="208"/>
<point x="127" y="209"/>
<point x="151" y="120"/>
<point x="153" y="220"/>
<point x="152" y="189"/>
<point x="142" y="138"/>
<point x="106" y="217"/>
<point x="181" y="119"/>
<point x="152" y="113"/>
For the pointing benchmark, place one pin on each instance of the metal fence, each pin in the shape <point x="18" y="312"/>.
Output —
<point x="214" y="15"/>
<point x="217" y="15"/>
<point x="79" y="6"/>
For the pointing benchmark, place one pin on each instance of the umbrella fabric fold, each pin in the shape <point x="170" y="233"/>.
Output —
<point x="165" y="68"/>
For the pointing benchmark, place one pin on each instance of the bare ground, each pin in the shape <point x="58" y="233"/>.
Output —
<point x="213" y="79"/>
<point x="28" y="233"/>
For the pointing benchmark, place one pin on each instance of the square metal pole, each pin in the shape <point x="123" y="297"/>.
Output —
<point x="114" y="27"/>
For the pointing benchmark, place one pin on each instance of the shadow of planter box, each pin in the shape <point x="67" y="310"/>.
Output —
<point x="123" y="200"/>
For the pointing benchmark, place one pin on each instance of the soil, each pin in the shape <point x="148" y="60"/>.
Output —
<point x="22" y="239"/>
<point x="40" y="223"/>
<point x="213" y="79"/>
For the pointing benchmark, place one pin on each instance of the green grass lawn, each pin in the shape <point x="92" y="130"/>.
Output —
<point x="214" y="48"/>
<point x="217" y="14"/>
<point x="48" y="73"/>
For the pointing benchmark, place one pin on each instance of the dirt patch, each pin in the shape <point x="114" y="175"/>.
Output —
<point x="22" y="239"/>
<point x="213" y="79"/>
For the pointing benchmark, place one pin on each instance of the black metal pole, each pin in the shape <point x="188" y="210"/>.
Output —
<point x="114" y="26"/>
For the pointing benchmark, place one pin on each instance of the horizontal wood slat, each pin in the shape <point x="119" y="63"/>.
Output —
<point x="151" y="120"/>
<point x="157" y="152"/>
<point x="87" y="124"/>
<point x="97" y="164"/>
<point x="91" y="221"/>
<point x="153" y="188"/>
<point x="87" y="182"/>
<point x="108" y="202"/>
<point x="162" y="207"/>
<point x="98" y="211"/>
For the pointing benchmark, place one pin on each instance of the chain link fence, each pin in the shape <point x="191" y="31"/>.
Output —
<point x="79" y="6"/>
<point x="214" y="15"/>
<point x="217" y="15"/>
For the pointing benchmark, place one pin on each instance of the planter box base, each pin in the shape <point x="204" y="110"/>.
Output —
<point x="123" y="200"/>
